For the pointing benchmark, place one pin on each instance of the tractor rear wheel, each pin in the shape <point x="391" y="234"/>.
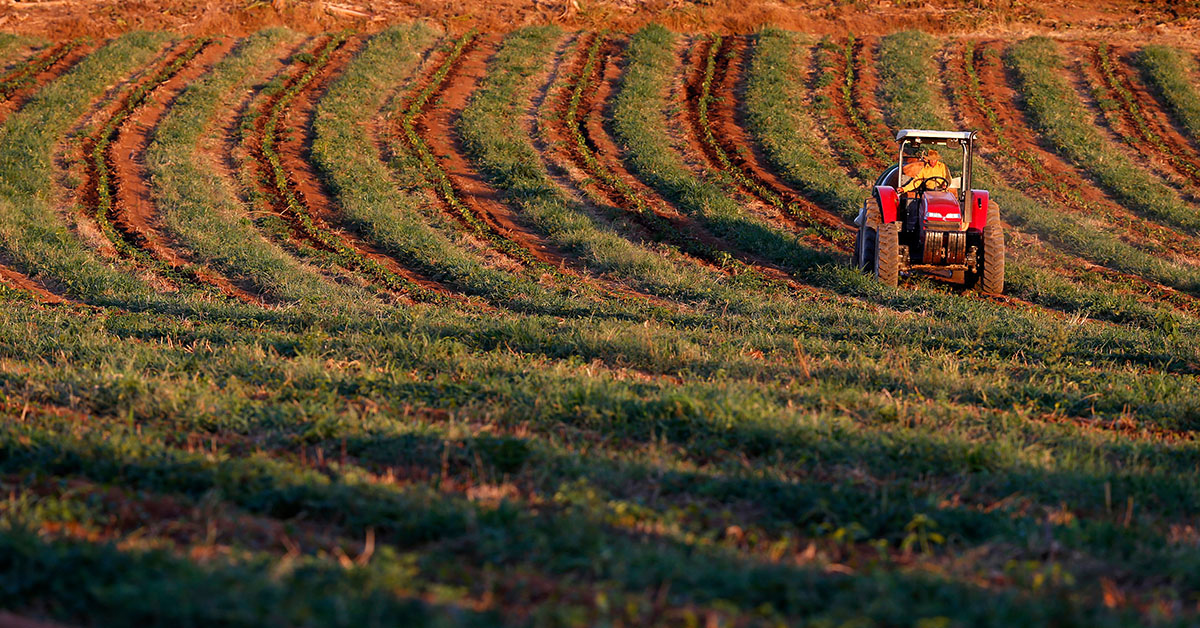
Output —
<point x="991" y="280"/>
<point x="887" y="255"/>
<point x="864" y="245"/>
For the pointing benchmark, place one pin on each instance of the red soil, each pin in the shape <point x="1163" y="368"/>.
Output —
<point x="134" y="209"/>
<point x="591" y="117"/>
<point x="841" y="110"/>
<point x="294" y="149"/>
<point x="436" y="126"/>
<point x="1175" y="150"/>
<point x="1131" y="21"/>
<point x="1092" y="204"/>
<point x="728" y="125"/>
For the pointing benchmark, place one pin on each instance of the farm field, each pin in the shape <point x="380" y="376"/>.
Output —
<point x="558" y="327"/>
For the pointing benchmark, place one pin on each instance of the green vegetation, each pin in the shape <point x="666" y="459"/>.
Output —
<point x="775" y="111"/>
<point x="719" y="454"/>
<point x="28" y="71"/>
<point x="1060" y="116"/>
<point x="104" y="209"/>
<point x="1171" y="73"/>
<point x="201" y="209"/>
<point x="33" y="232"/>
<point x="640" y="125"/>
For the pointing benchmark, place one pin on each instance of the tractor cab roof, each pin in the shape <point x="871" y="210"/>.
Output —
<point x="934" y="137"/>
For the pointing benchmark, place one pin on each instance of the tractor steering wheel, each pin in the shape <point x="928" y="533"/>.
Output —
<point x="936" y="184"/>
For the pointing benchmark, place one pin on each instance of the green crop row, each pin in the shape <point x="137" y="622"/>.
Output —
<point x="1044" y="179"/>
<point x="841" y="138"/>
<point x="662" y="228"/>
<point x="27" y="73"/>
<point x="104" y="209"/>
<point x="1058" y="114"/>
<point x="736" y="172"/>
<point x="1171" y="73"/>
<point x="199" y="207"/>
<point x="849" y="100"/>
<point x="641" y="127"/>
<point x="777" y="119"/>
<point x="912" y="101"/>
<point x="278" y="177"/>
<point x="438" y="175"/>
<point x="1114" y="85"/>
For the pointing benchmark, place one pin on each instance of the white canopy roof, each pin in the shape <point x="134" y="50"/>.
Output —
<point x="934" y="135"/>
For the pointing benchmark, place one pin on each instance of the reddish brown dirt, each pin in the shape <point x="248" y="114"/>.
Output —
<point x="1131" y="21"/>
<point x="1091" y="204"/>
<point x="134" y="208"/>
<point x="591" y="118"/>
<point x="866" y="86"/>
<point x="294" y="151"/>
<point x="1175" y="150"/>
<point x="728" y="126"/>
<point x="436" y="126"/>
<point x="699" y="155"/>
<point x="21" y="96"/>
<point x="840" y="112"/>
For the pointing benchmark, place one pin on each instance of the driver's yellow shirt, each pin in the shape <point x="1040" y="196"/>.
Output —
<point x="940" y="170"/>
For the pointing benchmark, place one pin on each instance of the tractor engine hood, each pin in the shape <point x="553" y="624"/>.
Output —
<point x="941" y="209"/>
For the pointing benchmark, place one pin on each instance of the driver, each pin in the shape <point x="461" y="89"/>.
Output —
<point x="932" y="166"/>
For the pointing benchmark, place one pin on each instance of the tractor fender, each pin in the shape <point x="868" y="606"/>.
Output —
<point x="888" y="203"/>
<point x="977" y="202"/>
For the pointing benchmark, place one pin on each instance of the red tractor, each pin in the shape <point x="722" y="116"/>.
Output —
<point x="921" y="218"/>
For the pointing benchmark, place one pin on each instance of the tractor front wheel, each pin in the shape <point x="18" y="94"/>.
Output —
<point x="864" y="245"/>
<point x="887" y="255"/>
<point x="991" y="280"/>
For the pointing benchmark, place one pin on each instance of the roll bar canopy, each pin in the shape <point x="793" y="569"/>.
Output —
<point x="925" y="134"/>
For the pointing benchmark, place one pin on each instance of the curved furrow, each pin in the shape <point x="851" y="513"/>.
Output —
<point x="434" y="128"/>
<point x="131" y="206"/>
<point x="429" y="128"/>
<point x="987" y="102"/>
<point x="1059" y="105"/>
<point x="690" y="93"/>
<point x="1143" y="126"/>
<point x="108" y="206"/>
<point x="714" y="91"/>
<point x="847" y="125"/>
<point x="982" y="99"/>
<point x="29" y="73"/>
<point x="580" y="129"/>
<point x="282" y="142"/>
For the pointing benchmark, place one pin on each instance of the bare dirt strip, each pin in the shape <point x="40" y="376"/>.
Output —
<point x="727" y="124"/>
<point x="846" y="109"/>
<point x="294" y="147"/>
<point x="1142" y="117"/>
<point x="1024" y="160"/>
<point x="135" y="214"/>
<point x="436" y="128"/>
<point x="470" y="191"/>
<point x="579" y="135"/>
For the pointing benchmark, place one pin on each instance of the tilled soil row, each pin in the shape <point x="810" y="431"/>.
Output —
<point x="133" y="211"/>
<point x="992" y="103"/>
<point x="1145" y="126"/>
<point x="580" y="128"/>
<point x="846" y="112"/>
<point x="715" y="88"/>
<point x="1023" y="162"/>
<point x="15" y="89"/>
<point x="111" y="203"/>
<point x="283" y="138"/>
<point x="428" y="129"/>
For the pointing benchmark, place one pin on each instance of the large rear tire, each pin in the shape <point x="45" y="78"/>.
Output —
<point x="865" y="244"/>
<point x="887" y="257"/>
<point x="991" y="280"/>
